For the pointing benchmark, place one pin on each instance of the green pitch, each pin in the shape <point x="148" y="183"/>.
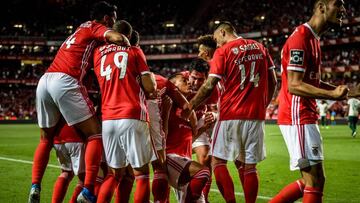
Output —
<point x="342" y="166"/>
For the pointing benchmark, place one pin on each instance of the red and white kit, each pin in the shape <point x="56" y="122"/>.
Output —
<point x="297" y="115"/>
<point x="126" y="136"/>
<point x="243" y="67"/>
<point x="70" y="149"/>
<point x="60" y="90"/>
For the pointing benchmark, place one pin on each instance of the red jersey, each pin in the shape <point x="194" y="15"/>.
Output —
<point x="118" y="70"/>
<point x="243" y="67"/>
<point x="165" y="88"/>
<point x="75" y="54"/>
<point x="67" y="134"/>
<point x="302" y="53"/>
<point x="179" y="139"/>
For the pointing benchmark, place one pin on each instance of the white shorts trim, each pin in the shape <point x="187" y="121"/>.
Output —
<point x="202" y="140"/>
<point x="58" y="93"/>
<point x="156" y="132"/>
<point x="239" y="140"/>
<point x="126" y="141"/>
<point x="304" y="144"/>
<point x="175" y="165"/>
<point x="71" y="156"/>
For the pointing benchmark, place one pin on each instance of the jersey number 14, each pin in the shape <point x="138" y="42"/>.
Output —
<point x="120" y="61"/>
<point x="254" y="78"/>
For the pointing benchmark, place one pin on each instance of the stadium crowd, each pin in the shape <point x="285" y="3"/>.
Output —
<point x="228" y="92"/>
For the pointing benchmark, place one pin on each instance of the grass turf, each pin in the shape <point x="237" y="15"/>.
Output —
<point x="342" y="166"/>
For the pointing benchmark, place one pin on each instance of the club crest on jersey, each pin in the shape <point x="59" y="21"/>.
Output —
<point x="296" y="57"/>
<point x="235" y="50"/>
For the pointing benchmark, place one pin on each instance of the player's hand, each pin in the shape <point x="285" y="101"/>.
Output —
<point x="340" y="92"/>
<point x="209" y="118"/>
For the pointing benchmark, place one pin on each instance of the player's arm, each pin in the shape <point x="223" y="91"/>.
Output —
<point x="204" y="92"/>
<point x="298" y="87"/>
<point x="327" y="86"/>
<point x="272" y="82"/>
<point x="193" y="123"/>
<point x="116" y="38"/>
<point x="149" y="84"/>
<point x="165" y="113"/>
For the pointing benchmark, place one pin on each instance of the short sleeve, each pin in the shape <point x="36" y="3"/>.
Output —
<point x="296" y="54"/>
<point x="217" y="64"/>
<point x="141" y="64"/>
<point x="99" y="31"/>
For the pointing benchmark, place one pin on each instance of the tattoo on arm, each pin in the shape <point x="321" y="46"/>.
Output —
<point x="204" y="92"/>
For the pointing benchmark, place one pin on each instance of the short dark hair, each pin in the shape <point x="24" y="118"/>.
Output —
<point x="207" y="40"/>
<point x="227" y="26"/>
<point x="123" y="27"/>
<point x="135" y="38"/>
<point x="101" y="9"/>
<point x="199" y="65"/>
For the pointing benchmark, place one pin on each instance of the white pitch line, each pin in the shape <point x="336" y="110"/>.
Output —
<point x="55" y="166"/>
<point x="25" y="162"/>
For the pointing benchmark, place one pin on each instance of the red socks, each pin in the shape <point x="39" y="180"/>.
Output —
<point x="107" y="188"/>
<point x="197" y="184"/>
<point x="98" y="183"/>
<point x="290" y="193"/>
<point x="93" y="154"/>
<point x="224" y="182"/>
<point x="142" y="192"/>
<point x="76" y="192"/>
<point x="123" y="190"/>
<point x="60" y="188"/>
<point x="312" y="195"/>
<point x="41" y="159"/>
<point x="159" y="185"/>
<point x="206" y="189"/>
<point x="241" y="171"/>
<point x="251" y="185"/>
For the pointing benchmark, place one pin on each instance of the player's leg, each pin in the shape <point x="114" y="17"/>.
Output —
<point x="198" y="176"/>
<point x="61" y="186"/>
<point x="125" y="186"/>
<point x="113" y="132"/>
<point x="139" y="152"/>
<point x="78" y="188"/>
<point x="226" y="146"/>
<point x="314" y="183"/>
<point x="223" y="179"/>
<point x="203" y="157"/>
<point x="160" y="181"/>
<point x="48" y="116"/>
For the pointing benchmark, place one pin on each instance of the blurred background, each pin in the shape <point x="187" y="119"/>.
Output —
<point x="32" y="31"/>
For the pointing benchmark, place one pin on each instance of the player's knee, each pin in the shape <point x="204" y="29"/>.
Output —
<point x="250" y="166"/>
<point x="68" y="175"/>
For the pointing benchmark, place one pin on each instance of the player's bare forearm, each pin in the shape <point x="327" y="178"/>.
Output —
<point x="193" y="122"/>
<point x="204" y="92"/>
<point x="272" y="82"/>
<point x="178" y="98"/>
<point x="298" y="87"/>
<point x="149" y="85"/>
<point x="327" y="86"/>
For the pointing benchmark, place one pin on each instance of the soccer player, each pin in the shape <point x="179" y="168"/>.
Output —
<point x="70" y="149"/>
<point x="246" y="73"/>
<point x="323" y="108"/>
<point x="124" y="79"/>
<point x="353" y="114"/>
<point x="301" y="85"/>
<point x="186" y="176"/>
<point x="207" y="47"/>
<point x="168" y="96"/>
<point x="60" y="92"/>
<point x="206" y="115"/>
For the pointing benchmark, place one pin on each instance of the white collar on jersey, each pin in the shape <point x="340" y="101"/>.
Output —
<point x="312" y="31"/>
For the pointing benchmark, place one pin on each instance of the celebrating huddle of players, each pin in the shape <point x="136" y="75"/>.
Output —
<point x="216" y="110"/>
